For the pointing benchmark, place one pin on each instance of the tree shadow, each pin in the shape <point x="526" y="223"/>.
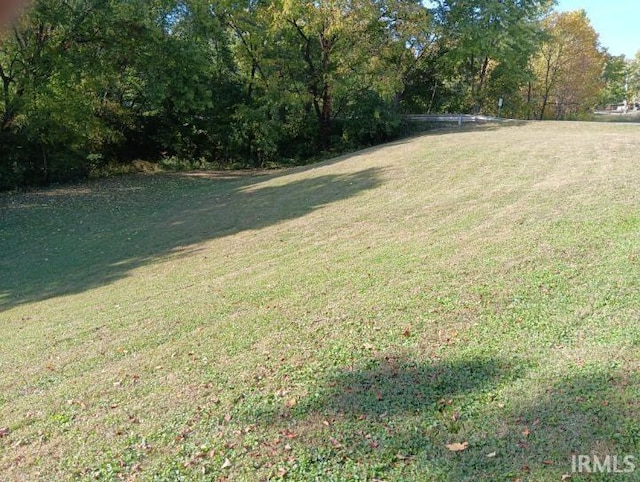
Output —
<point x="63" y="241"/>
<point x="593" y="414"/>
<point x="68" y="240"/>
<point x="394" y="385"/>
<point x="392" y="419"/>
<point x="376" y="419"/>
<point x="587" y="414"/>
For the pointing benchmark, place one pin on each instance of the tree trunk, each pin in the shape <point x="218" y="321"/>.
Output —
<point x="544" y="106"/>
<point x="397" y="99"/>
<point x="327" y="99"/>
<point x="483" y="78"/>
<point x="529" y="98"/>
<point x="7" y="115"/>
<point x="252" y="79"/>
<point x="433" y="95"/>
<point x="325" y="119"/>
<point x="45" y="164"/>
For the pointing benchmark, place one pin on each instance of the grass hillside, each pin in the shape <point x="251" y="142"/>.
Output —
<point x="461" y="306"/>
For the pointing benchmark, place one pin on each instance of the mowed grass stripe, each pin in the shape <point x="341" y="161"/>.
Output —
<point x="346" y="320"/>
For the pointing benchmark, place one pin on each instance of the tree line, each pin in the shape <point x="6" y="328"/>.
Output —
<point x="90" y="85"/>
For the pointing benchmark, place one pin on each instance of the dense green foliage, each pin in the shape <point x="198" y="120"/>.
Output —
<point x="92" y="85"/>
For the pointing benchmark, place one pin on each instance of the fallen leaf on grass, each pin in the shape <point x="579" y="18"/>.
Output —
<point x="335" y="443"/>
<point x="291" y="403"/>
<point x="492" y="454"/>
<point x="76" y="402"/>
<point x="547" y="462"/>
<point x="526" y="432"/>
<point x="226" y="464"/>
<point x="4" y="431"/>
<point x="458" y="447"/>
<point x="565" y="477"/>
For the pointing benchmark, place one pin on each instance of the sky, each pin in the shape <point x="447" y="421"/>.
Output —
<point x="617" y="22"/>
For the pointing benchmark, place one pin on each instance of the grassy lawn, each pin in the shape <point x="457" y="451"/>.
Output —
<point x="352" y="320"/>
<point x="631" y="116"/>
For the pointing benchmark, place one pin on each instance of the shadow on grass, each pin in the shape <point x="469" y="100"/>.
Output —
<point x="589" y="414"/>
<point x="392" y="419"/>
<point x="63" y="241"/>
<point x="69" y="240"/>
<point x="376" y="419"/>
<point x="391" y="385"/>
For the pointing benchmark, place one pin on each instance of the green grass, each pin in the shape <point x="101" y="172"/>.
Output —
<point x="342" y="321"/>
<point x="631" y="116"/>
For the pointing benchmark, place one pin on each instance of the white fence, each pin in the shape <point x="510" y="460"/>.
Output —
<point x="451" y="118"/>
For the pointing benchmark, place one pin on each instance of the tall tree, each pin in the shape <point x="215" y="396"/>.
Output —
<point x="46" y="116"/>
<point x="615" y="77"/>
<point x="308" y="64"/>
<point x="486" y="41"/>
<point x="632" y="81"/>
<point x="86" y="80"/>
<point x="568" y="67"/>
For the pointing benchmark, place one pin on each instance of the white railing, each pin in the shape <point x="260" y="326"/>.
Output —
<point x="453" y="118"/>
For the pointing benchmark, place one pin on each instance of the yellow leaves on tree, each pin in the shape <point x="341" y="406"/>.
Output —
<point x="568" y="67"/>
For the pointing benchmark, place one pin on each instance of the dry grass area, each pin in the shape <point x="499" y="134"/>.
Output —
<point x="355" y="319"/>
